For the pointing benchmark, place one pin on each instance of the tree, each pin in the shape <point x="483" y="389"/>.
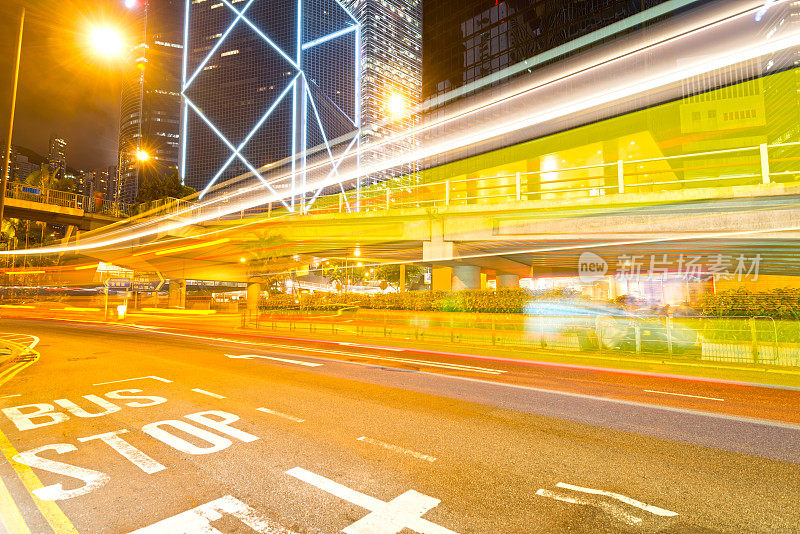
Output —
<point x="390" y="273"/>
<point x="157" y="187"/>
<point x="343" y="273"/>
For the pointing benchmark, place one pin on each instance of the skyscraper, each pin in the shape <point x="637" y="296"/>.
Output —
<point x="150" y="106"/>
<point x="469" y="40"/>
<point x="57" y="155"/>
<point x="262" y="83"/>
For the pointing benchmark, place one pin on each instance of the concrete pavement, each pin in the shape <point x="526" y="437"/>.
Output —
<point x="280" y="440"/>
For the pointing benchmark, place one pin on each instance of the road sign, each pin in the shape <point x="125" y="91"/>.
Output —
<point x="118" y="283"/>
<point x="146" y="285"/>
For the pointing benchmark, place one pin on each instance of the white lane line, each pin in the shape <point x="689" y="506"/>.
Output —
<point x="9" y="396"/>
<point x="391" y="349"/>
<point x="204" y="392"/>
<point x="426" y="363"/>
<point x="129" y="379"/>
<point x="284" y="360"/>
<point x="404" y="511"/>
<point x="615" y="511"/>
<point x="684" y="395"/>
<point x="395" y="448"/>
<point x="622" y="498"/>
<point x="281" y="414"/>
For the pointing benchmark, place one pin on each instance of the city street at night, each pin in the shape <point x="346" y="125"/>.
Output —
<point x="399" y="266"/>
<point x="152" y="431"/>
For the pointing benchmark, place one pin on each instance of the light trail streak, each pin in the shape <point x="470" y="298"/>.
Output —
<point x="745" y="52"/>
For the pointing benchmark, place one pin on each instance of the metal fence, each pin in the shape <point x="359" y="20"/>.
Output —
<point x="753" y="341"/>
<point x="751" y="165"/>
<point x="65" y="199"/>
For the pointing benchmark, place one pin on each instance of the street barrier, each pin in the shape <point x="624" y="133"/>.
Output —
<point x="752" y="341"/>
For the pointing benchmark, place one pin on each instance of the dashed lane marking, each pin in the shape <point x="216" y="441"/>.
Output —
<point x="284" y="360"/>
<point x="129" y="379"/>
<point x="204" y="392"/>
<point x="622" y="498"/>
<point x="613" y="510"/>
<point x="395" y="448"/>
<point x="281" y="414"/>
<point x="684" y="395"/>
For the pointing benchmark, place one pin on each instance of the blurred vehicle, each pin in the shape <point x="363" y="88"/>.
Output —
<point x="607" y="326"/>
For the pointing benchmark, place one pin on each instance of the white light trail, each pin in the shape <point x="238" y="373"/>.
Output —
<point x="750" y="49"/>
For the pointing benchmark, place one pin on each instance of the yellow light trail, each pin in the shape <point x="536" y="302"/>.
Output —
<point x="749" y="49"/>
<point x="192" y="247"/>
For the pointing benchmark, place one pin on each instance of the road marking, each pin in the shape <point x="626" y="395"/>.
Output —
<point x="684" y="395"/>
<point x="627" y="500"/>
<point x="390" y="517"/>
<point x="9" y="396"/>
<point x="392" y="349"/>
<point x="134" y="455"/>
<point x="10" y="517"/>
<point x="204" y="392"/>
<point x="426" y="363"/>
<point x="395" y="448"/>
<point x="50" y="511"/>
<point x="129" y="379"/>
<point x="281" y="414"/>
<point x="284" y="360"/>
<point x="615" y="511"/>
<point x="29" y="340"/>
<point x="198" y="520"/>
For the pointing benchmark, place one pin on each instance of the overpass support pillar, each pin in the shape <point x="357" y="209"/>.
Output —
<point x="253" y="295"/>
<point x="177" y="294"/>
<point x="507" y="280"/>
<point x="441" y="278"/>
<point x="466" y="277"/>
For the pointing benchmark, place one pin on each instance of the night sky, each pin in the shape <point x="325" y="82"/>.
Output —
<point x="63" y="89"/>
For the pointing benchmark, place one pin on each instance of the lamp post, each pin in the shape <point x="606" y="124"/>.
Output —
<point x="7" y="168"/>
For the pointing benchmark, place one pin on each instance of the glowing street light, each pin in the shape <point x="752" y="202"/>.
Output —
<point x="130" y="4"/>
<point x="397" y="105"/>
<point x="142" y="155"/>
<point x="106" y="41"/>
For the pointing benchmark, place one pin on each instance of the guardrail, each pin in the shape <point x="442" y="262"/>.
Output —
<point x="65" y="199"/>
<point x="751" y="165"/>
<point x="756" y="341"/>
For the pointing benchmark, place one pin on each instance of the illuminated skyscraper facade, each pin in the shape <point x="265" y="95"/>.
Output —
<point x="150" y="105"/>
<point x="261" y="84"/>
<point x="471" y="39"/>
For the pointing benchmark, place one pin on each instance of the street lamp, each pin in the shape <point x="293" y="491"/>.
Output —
<point x="106" y="41"/>
<point x="142" y="155"/>
<point x="7" y="168"/>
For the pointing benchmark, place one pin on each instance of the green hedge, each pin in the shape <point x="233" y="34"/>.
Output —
<point x="479" y="300"/>
<point x="776" y="303"/>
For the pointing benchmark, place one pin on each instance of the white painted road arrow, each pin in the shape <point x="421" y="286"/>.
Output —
<point x="284" y="360"/>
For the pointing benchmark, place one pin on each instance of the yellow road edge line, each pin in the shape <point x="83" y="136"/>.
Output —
<point x="55" y="517"/>
<point x="10" y="516"/>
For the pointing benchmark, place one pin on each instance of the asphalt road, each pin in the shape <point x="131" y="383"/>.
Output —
<point x="279" y="439"/>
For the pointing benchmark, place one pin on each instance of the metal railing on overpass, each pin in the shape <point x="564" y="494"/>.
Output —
<point x="751" y="165"/>
<point x="66" y="199"/>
